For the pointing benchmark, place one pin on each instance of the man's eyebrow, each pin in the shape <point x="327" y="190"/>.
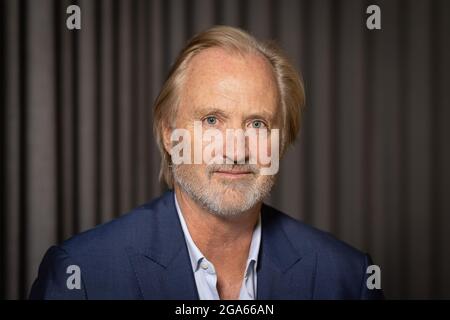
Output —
<point x="203" y="111"/>
<point x="263" y="115"/>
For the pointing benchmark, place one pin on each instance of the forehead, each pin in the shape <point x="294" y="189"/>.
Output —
<point x="229" y="81"/>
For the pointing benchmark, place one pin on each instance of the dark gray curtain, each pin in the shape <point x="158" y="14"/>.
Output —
<point x="372" y="164"/>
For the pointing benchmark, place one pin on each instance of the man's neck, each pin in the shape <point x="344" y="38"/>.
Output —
<point x="218" y="237"/>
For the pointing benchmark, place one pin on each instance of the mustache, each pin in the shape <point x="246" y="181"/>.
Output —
<point x="237" y="167"/>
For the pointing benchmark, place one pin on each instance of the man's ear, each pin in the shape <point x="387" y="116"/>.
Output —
<point x="166" y="132"/>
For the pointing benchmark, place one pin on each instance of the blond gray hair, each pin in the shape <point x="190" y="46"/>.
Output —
<point x="289" y="83"/>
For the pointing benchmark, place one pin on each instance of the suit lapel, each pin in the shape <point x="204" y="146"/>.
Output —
<point x="283" y="271"/>
<point x="162" y="267"/>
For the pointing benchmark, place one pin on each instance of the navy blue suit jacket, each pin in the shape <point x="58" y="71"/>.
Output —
<point x="143" y="255"/>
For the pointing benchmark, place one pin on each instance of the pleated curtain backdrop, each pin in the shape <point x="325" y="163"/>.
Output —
<point x="372" y="165"/>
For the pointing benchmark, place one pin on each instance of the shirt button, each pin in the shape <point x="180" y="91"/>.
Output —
<point x="204" y="265"/>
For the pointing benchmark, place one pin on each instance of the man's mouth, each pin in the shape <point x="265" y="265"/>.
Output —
<point x="233" y="173"/>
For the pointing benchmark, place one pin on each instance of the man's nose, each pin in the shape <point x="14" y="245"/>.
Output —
<point x="236" y="146"/>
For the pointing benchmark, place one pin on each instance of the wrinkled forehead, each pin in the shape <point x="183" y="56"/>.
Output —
<point x="230" y="81"/>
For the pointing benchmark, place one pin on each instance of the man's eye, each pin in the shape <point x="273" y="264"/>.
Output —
<point x="211" y="120"/>
<point x="258" y="124"/>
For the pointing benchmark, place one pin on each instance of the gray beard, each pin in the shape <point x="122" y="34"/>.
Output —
<point x="211" y="197"/>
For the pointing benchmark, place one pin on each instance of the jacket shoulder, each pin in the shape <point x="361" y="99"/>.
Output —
<point x="129" y="230"/>
<point x="101" y="255"/>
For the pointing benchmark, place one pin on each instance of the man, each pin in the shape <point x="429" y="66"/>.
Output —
<point x="212" y="237"/>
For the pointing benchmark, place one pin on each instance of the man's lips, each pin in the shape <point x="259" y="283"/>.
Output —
<point x="233" y="173"/>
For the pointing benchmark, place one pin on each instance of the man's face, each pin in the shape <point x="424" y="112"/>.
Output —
<point x="225" y="91"/>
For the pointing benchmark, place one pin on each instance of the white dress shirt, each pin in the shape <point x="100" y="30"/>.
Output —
<point x="205" y="273"/>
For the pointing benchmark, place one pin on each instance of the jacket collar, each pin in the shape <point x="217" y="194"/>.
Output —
<point x="285" y="271"/>
<point x="161" y="265"/>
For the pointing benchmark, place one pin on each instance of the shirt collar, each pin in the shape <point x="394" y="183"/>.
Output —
<point x="196" y="256"/>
